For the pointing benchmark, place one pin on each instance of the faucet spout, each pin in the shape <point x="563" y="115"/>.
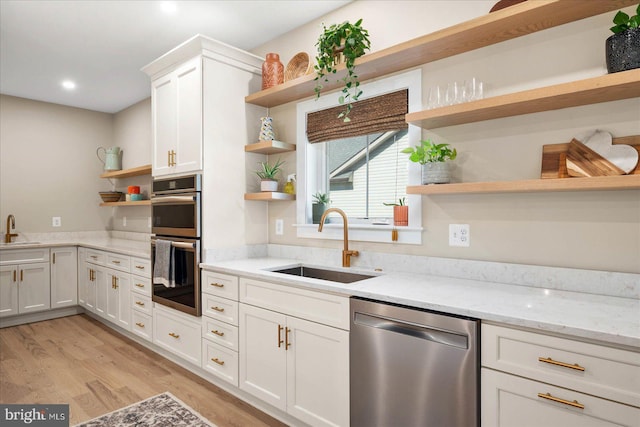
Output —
<point x="346" y="253"/>
<point x="11" y="224"/>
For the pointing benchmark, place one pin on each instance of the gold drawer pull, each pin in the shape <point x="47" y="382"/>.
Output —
<point x="218" y="361"/>
<point x="140" y="285"/>
<point x="176" y="336"/>
<point x="218" y="333"/>
<point x="564" y="365"/>
<point x="548" y="396"/>
<point x="116" y="262"/>
<point x="140" y="303"/>
<point x="287" y="344"/>
<point x="219" y="309"/>
<point x="140" y="267"/>
<point x="140" y="324"/>
<point x="94" y="257"/>
<point x="280" y="341"/>
<point x="217" y="285"/>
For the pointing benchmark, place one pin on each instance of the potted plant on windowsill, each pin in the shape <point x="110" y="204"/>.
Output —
<point x="348" y="41"/>
<point x="434" y="160"/>
<point x="623" y="47"/>
<point x="267" y="174"/>
<point x="319" y="205"/>
<point x="400" y="212"/>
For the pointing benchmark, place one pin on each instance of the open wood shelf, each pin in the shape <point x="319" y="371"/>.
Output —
<point x="136" y="203"/>
<point x="610" y="87"/>
<point x="127" y="173"/>
<point x="505" y="24"/>
<point x="269" y="147"/>
<point x="269" y="195"/>
<point x="622" y="182"/>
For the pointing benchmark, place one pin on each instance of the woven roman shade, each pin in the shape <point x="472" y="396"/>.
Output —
<point x="379" y="114"/>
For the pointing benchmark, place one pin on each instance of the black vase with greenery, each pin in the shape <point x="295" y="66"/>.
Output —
<point x="623" y="47"/>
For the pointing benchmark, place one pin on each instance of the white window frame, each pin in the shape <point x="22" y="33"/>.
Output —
<point x="311" y="157"/>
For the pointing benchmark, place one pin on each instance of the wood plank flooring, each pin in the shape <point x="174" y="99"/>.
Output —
<point x="79" y="361"/>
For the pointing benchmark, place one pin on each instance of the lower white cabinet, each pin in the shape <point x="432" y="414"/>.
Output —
<point x="64" y="277"/>
<point x="118" y="308"/>
<point x="298" y="366"/>
<point x="142" y="325"/>
<point x="178" y="333"/>
<point x="220" y="361"/>
<point x="24" y="281"/>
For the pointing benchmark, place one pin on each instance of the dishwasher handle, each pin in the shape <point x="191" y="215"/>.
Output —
<point x="439" y="336"/>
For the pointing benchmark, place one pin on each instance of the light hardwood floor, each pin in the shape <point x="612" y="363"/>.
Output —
<point x="79" y="361"/>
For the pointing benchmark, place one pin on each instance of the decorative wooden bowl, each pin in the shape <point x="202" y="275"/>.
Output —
<point x="298" y="66"/>
<point x="110" y="196"/>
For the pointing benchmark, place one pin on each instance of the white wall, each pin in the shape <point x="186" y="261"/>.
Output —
<point x="48" y="165"/>
<point x="591" y="230"/>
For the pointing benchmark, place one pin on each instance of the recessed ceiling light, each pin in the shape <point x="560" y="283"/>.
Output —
<point x="168" y="7"/>
<point x="68" y="84"/>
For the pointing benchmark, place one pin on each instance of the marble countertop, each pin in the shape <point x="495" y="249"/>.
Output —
<point x="608" y="319"/>
<point x="135" y="248"/>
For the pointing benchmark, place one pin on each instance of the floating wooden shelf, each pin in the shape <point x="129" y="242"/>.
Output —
<point x="127" y="173"/>
<point x="610" y="87"/>
<point x="509" y="23"/>
<point x="136" y="203"/>
<point x="269" y="147"/>
<point x="622" y="182"/>
<point x="269" y="195"/>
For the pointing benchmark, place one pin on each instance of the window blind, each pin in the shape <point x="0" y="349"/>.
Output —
<point x="379" y="114"/>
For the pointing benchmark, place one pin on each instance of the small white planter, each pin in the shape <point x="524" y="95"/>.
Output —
<point x="268" y="185"/>
<point x="436" y="173"/>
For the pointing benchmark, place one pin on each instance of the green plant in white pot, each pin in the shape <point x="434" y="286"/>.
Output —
<point x="319" y="205"/>
<point x="623" y="47"/>
<point x="267" y="174"/>
<point x="434" y="160"/>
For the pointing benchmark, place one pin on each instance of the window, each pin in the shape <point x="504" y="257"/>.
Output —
<point x="359" y="172"/>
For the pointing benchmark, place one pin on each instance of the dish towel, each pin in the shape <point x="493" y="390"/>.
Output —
<point x="162" y="267"/>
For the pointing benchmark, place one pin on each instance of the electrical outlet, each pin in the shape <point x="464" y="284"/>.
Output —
<point x="56" y="221"/>
<point x="459" y="235"/>
<point x="279" y="227"/>
<point x="124" y="221"/>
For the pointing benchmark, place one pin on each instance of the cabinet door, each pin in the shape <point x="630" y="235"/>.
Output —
<point x="512" y="401"/>
<point x="164" y="107"/>
<point x="188" y="81"/>
<point x="64" y="277"/>
<point x="123" y="288"/>
<point x="34" y="290"/>
<point x="317" y="373"/>
<point x="8" y="290"/>
<point x="101" y="285"/>
<point x="87" y="281"/>
<point x="112" y="308"/>
<point x="262" y="355"/>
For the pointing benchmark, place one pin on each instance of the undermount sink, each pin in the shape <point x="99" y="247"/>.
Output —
<point x="321" y="273"/>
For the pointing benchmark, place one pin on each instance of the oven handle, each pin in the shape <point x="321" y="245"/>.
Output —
<point x="181" y="245"/>
<point x="173" y="199"/>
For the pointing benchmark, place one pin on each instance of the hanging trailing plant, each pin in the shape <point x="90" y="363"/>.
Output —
<point x="351" y="41"/>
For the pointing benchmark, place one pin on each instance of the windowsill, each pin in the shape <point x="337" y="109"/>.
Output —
<point x="362" y="233"/>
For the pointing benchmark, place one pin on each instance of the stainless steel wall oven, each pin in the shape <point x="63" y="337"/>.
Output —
<point x="176" y="218"/>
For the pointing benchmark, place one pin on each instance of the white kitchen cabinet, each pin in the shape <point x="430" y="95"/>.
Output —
<point x="532" y="379"/>
<point x="33" y="287"/>
<point x="8" y="290"/>
<point x="178" y="333"/>
<point x="118" y="309"/>
<point x="296" y="365"/>
<point x="101" y="286"/>
<point x="176" y="105"/>
<point x="64" y="277"/>
<point x="24" y="281"/>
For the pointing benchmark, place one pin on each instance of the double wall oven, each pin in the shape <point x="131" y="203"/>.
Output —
<point x="176" y="217"/>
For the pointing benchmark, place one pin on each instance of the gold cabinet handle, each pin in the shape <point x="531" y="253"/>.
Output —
<point x="557" y="363"/>
<point x="173" y="158"/>
<point x="22" y="275"/>
<point x="93" y="257"/>
<point x="287" y="344"/>
<point x="548" y="396"/>
<point x="217" y="332"/>
<point x="217" y="285"/>
<point x="218" y="309"/>
<point x="176" y="336"/>
<point x="54" y="258"/>
<point x="140" y="303"/>
<point x="139" y="285"/>
<point x="280" y="328"/>
<point x="15" y="275"/>
<point x="116" y="262"/>
<point x="218" y="361"/>
<point x="140" y="267"/>
<point x="140" y="324"/>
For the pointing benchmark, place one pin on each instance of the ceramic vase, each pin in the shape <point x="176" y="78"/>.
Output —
<point x="436" y="173"/>
<point x="268" y="185"/>
<point x="317" y="210"/>
<point x="272" y="71"/>
<point x="401" y="216"/>
<point x="266" y="129"/>
<point x="623" y="51"/>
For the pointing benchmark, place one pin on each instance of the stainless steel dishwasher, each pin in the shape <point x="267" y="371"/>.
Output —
<point x="411" y="367"/>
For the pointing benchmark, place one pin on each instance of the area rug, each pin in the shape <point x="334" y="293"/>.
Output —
<point x="163" y="410"/>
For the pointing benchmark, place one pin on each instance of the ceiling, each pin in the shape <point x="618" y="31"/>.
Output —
<point x="101" y="45"/>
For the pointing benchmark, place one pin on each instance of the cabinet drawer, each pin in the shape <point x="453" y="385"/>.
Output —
<point x="141" y="267"/>
<point x="141" y="285"/>
<point x="220" y="361"/>
<point x="96" y="257"/>
<point x="118" y="262"/>
<point x="178" y="334"/>
<point x="142" y="325"/>
<point x="220" y="333"/>
<point x="23" y="256"/>
<point x="328" y="309"/>
<point x="512" y="401"/>
<point x="220" y="309"/>
<point x="222" y="285"/>
<point x="599" y="370"/>
<point x="141" y="303"/>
